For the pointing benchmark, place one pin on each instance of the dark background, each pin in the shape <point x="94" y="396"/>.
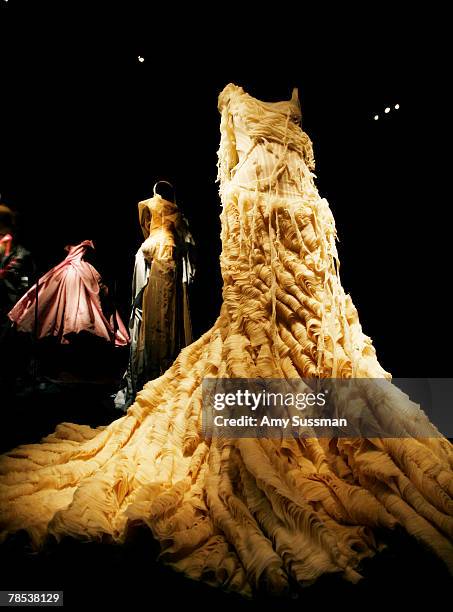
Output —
<point x="85" y="130"/>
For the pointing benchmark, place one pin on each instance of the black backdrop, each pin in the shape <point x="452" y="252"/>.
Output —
<point x="86" y="129"/>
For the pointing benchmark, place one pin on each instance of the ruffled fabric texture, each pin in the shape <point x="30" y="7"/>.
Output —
<point x="248" y="515"/>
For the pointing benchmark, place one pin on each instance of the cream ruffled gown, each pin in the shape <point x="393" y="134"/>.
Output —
<point x="247" y="514"/>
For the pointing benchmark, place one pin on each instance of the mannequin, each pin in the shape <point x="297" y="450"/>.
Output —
<point x="160" y="323"/>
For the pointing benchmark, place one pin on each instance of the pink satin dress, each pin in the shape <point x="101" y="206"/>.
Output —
<point x="68" y="302"/>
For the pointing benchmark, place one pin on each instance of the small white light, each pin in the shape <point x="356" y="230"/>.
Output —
<point x="376" y="117"/>
<point x="387" y="110"/>
<point x="141" y="59"/>
<point x="397" y="106"/>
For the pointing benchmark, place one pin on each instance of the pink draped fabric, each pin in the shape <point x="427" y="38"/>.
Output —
<point x="68" y="302"/>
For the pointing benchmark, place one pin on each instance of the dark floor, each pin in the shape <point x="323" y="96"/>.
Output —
<point x="76" y="385"/>
<point x="128" y="575"/>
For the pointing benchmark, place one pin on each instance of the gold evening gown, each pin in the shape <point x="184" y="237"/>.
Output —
<point x="159" y="324"/>
<point x="247" y="514"/>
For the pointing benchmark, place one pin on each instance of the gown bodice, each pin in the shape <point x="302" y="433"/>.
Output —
<point x="263" y="146"/>
<point x="160" y="221"/>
